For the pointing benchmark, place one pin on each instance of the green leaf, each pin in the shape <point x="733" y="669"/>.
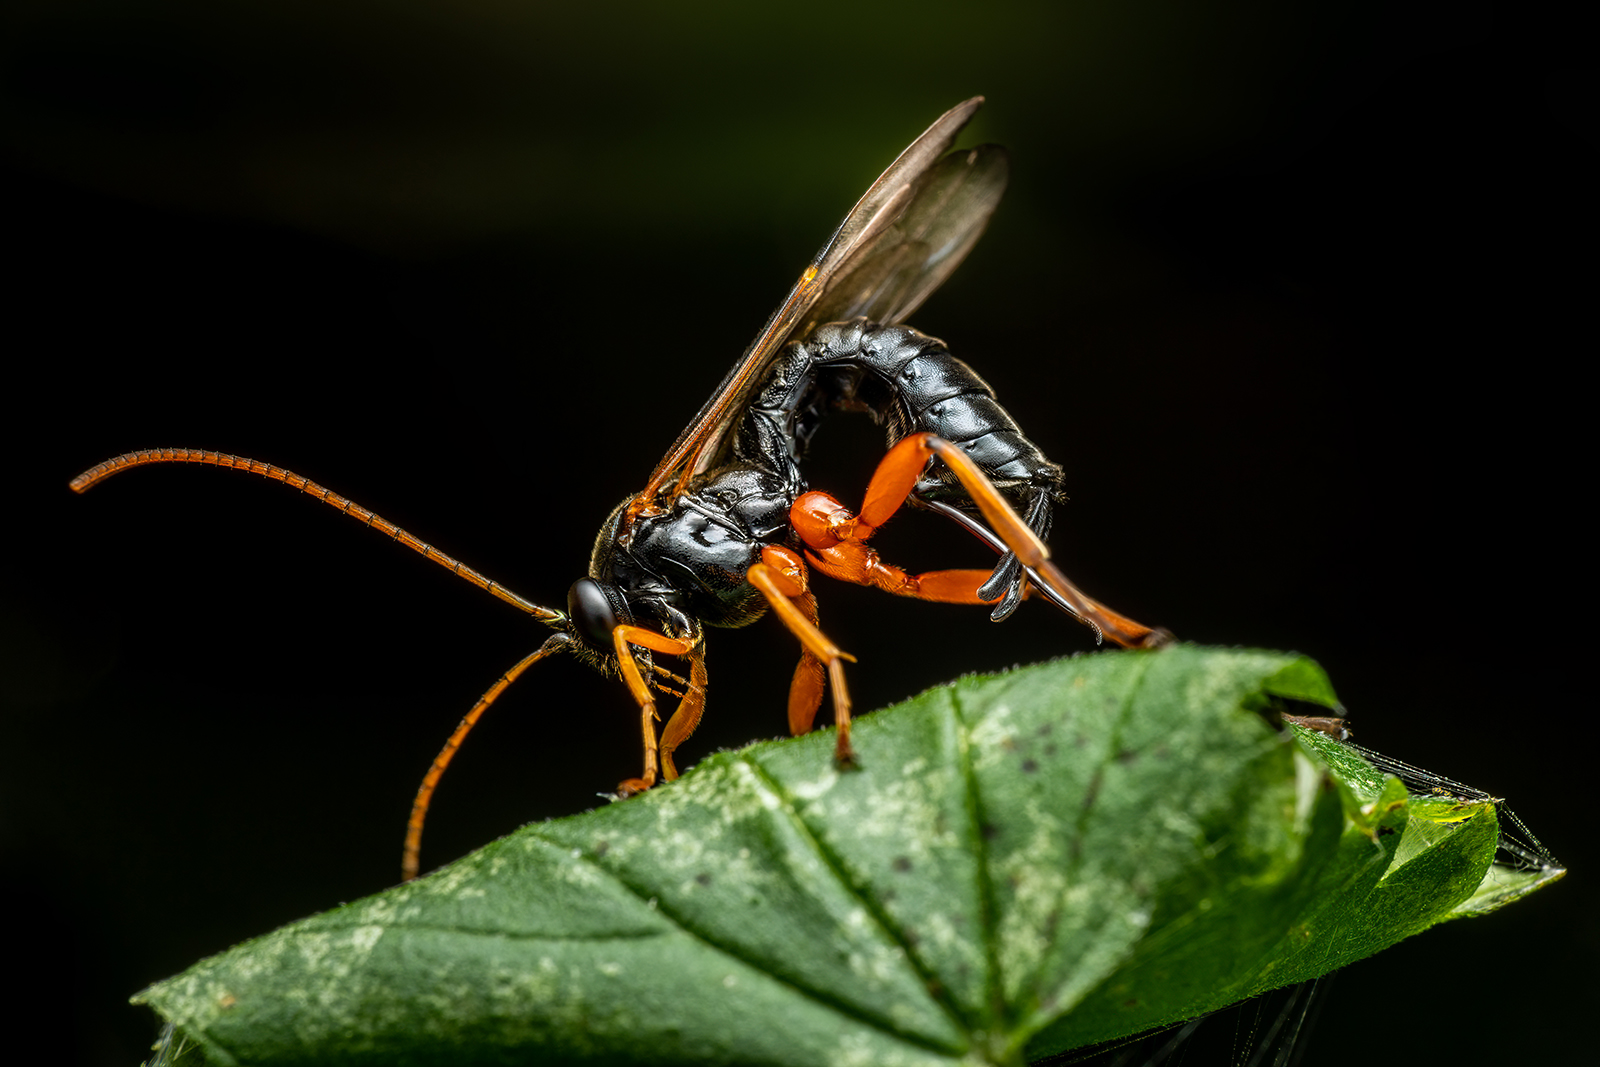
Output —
<point x="1022" y="864"/>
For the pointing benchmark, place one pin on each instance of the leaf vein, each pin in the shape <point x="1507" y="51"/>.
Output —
<point x="994" y="988"/>
<point x="681" y="924"/>
<point x="884" y="921"/>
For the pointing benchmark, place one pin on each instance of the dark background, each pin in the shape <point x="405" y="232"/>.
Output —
<point x="1289" y="294"/>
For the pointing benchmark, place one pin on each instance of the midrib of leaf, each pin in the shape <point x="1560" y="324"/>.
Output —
<point x="982" y="884"/>
<point x="873" y="907"/>
<point x="974" y="1021"/>
<point x="1025" y="1026"/>
<point x="777" y="813"/>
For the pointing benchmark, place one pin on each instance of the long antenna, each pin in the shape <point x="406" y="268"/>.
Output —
<point x="128" y="460"/>
<point x="410" y="861"/>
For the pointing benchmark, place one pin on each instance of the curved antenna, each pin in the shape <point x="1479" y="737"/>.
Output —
<point x="128" y="460"/>
<point x="410" y="860"/>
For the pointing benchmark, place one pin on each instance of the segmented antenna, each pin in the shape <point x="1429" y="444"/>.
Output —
<point x="128" y="460"/>
<point x="410" y="861"/>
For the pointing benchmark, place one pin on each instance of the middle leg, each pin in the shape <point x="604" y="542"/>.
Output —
<point x="781" y="578"/>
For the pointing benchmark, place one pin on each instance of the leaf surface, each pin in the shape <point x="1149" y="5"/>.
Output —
<point x="1022" y="864"/>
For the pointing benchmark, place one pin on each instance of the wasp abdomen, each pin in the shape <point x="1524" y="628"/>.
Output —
<point x="911" y="383"/>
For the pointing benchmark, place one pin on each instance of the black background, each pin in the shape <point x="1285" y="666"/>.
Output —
<point x="1290" y="296"/>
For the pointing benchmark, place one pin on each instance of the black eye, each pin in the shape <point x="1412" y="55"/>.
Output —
<point x="590" y="609"/>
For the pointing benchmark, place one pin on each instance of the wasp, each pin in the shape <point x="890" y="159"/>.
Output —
<point x="726" y="527"/>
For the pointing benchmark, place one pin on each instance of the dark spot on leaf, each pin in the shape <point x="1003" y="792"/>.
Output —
<point x="1044" y="731"/>
<point x="901" y="863"/>
<point x="1382" y="830"/>
<point x="1128" y="755"/>
<point x="703" y="878"/>
<point x="1093" y="790"/>
<point x="989" y="831"/>
<point x="1029" y="766"/>
<point x="1050" y="749"/>
<point x="601" y="848"/>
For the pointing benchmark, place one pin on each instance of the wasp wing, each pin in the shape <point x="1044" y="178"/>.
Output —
<point x="900" y="241"/>
<point x="914" y="255"/>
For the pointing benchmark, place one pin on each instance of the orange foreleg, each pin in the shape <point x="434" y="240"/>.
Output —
<point x="623" y="637"/>
<point x="687" y="717"/>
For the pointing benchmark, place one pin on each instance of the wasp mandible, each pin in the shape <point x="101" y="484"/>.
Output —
<point x="726" y="527"/>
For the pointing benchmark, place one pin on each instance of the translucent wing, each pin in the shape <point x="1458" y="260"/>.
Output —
<point x="898" y="244"/>
<point x="914" y="255"/>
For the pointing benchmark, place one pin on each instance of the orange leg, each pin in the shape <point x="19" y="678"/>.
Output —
<point x="781" y="578"/>
<point x="819" y="517"/>
<point x="624" y="637"/>
<point x="687" y="717"/>
<point x="837" y="539"/>
<point x="810" y="675"/>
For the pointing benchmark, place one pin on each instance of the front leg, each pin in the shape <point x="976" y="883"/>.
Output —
<point x="624" y="637"/>
<point x="690" y="708"/>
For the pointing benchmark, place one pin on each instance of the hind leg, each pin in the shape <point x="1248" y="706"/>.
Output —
<point x="1005" y="581"/>
<point x="837" y="539"/>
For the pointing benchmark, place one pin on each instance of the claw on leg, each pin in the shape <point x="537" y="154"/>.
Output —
<point x="836" y="540"/>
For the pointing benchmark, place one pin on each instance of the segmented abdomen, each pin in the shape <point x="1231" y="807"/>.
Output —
<point x="910" y="383"/>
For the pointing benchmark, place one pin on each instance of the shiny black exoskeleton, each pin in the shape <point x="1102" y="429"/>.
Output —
<point x="688" y="565"/>
<point x="725" y="527"/>
<point x="908" y="383"/>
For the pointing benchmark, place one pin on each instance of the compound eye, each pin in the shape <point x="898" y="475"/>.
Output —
<point x="590" y="609"/>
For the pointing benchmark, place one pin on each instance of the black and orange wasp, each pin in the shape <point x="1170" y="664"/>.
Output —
<point x="726" y="527"/>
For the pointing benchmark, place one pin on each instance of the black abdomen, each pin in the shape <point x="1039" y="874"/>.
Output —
<point x="910" y="383"/>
